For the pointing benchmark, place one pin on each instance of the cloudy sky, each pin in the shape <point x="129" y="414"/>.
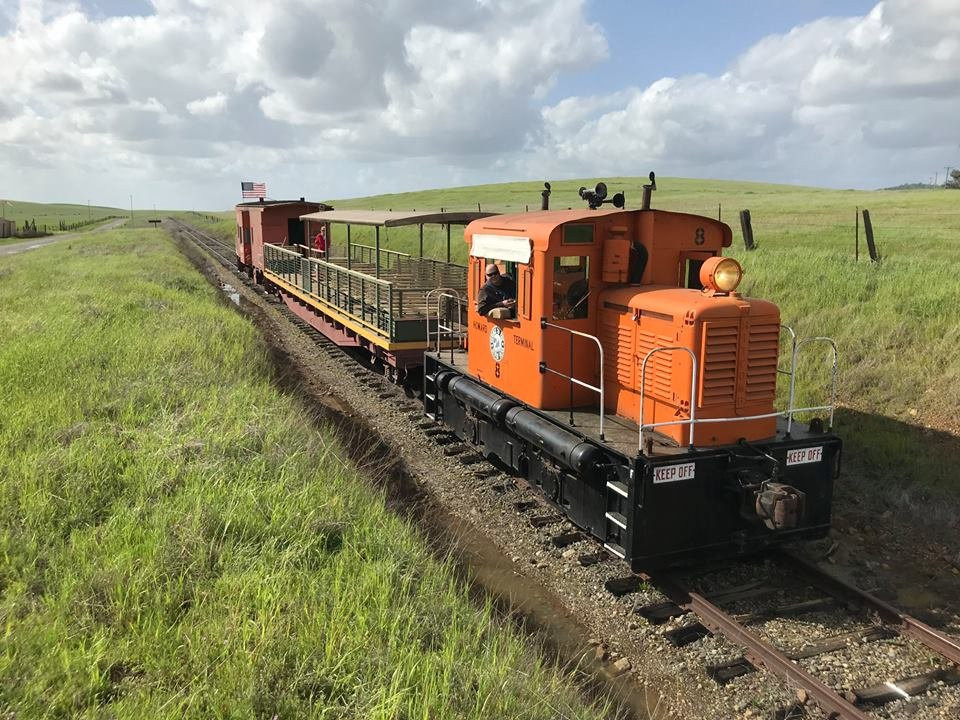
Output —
<point x="176" y="101"/>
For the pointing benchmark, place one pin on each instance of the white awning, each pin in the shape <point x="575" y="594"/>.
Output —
<point x="511" y="248"/>
<point x="396" y="218"/>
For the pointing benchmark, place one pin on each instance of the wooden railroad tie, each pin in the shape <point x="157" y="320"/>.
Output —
<point x="724" y="672"/>
<point x="564" y="539"/>
<point x="539" y="521"/>
<point x="588" y="559"/>
<point x="618" y="587"/>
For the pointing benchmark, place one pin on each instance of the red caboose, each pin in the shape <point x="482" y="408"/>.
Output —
<point x="274" y="222"/>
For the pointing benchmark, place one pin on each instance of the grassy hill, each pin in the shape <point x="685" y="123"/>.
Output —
<point x="51" y="214"/>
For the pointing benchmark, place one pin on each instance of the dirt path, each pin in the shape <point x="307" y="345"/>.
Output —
<point x="34" y="243"/>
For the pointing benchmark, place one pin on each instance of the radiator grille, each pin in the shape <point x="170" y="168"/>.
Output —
<point x="659" y="366"/>
<point x="718" y="385"/>
<point x="618" y="360"/>
<point x="763" y="350"/>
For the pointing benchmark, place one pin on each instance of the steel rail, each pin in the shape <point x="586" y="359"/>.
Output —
<point x="764" y="654"/>
<point x="942" y="644"/>
<point x="208" y="242"/>
<point x="759" y="652"/>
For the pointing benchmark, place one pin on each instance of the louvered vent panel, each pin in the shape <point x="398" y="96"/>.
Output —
<point x="764" y="346"/>
<point x="618" y="360"/>
<point x="608" y="336"/>
<point x="718" y="384"/>
<point x="659" y="366"/>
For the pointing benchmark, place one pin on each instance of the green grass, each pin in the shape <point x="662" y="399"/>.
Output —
<point x="51" y="214"/>
<point x="177" y="539"/>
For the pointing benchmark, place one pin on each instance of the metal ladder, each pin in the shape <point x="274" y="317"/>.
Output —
<point x="616" y="517"/>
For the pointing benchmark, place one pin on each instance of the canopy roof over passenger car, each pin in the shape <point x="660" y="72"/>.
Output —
<point x="394" y="218"/>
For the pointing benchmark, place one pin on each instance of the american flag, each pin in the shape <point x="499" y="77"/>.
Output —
<point x="253" y="189"/>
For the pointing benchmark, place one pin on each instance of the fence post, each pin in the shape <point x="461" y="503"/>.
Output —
<point x="747" y="228"/>
<point x="868" y="231"/>
<point x="856" y="241"/>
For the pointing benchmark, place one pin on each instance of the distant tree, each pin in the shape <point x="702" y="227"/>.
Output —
<point x="954" y="182"/>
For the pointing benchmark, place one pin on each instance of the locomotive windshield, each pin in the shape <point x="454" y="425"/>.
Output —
<point x="571" y="288"/>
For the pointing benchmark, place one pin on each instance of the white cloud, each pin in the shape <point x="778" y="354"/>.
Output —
<point x="256" y="84"/>
<point x="839" y="101"/>
<point x="210" y="105"/>
<point x="335" y="97"/>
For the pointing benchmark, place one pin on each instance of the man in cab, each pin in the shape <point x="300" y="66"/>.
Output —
<point x="499" y="291"/>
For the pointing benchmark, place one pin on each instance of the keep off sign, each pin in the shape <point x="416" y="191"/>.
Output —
<point x="802" y="456"/>
<point x="673" y="473"/>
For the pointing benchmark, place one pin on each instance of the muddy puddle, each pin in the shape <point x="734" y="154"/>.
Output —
<point x="231" y="292"/>
<point x="539" y="613"/>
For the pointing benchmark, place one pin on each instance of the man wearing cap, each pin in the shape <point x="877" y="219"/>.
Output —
<point x="499" y="291"/>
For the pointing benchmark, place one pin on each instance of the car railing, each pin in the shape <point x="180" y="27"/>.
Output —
<point x="790" y="412"/>
<point x="544" y="368"/>
<point x="453" y="334"/>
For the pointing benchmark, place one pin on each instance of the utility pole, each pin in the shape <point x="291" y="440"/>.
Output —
<point x="936" y="178"/>
<point x="131" y="208"/>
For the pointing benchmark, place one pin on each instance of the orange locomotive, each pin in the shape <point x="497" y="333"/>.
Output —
<point x="632" y="383"/>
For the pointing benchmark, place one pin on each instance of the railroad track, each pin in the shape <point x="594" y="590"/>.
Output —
<point x="754" y="616"/>
<point x="222" y="251"/>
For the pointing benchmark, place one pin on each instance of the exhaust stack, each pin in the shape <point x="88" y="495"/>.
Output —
<point x="648" y="191"/>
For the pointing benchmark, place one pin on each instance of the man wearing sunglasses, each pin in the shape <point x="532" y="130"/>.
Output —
<point x="499" y="291"/>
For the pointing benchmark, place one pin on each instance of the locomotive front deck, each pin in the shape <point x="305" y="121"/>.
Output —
<point x="654" y="505"/>
<point x="620" y="434"/>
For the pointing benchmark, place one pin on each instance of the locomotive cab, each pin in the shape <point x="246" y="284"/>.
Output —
<point x="628" y="281"/>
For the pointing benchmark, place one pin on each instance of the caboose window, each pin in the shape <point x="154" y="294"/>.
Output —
<point x="571" y="288"/>
<point x="578" y="234"/>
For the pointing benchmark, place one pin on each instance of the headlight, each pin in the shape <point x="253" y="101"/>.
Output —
<point x="721" y="274"/>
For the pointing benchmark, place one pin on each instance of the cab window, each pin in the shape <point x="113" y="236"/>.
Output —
<point x="693" y="274"/>
<point x="571" y="288"/>
<point x="507" y="286"/>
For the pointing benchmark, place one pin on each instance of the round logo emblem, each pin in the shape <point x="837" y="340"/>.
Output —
<point x="497" y="343"/>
